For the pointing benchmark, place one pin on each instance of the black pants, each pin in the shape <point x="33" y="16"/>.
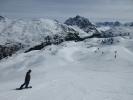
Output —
<point x="25" y="84"/>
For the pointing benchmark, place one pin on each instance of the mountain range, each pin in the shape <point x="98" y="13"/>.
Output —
<point x="35" y="34"/>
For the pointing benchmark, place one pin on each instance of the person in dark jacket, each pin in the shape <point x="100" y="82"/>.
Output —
<point x="27" y="80"/>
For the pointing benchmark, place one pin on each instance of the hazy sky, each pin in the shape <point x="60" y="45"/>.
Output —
<point x="62" y="9"/>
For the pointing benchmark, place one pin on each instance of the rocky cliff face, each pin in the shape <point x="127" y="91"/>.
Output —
<point x="83" y="23"/>
<point x="2" y="18"/>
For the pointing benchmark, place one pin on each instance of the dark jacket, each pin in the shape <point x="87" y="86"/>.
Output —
<point x="27" y="77"/>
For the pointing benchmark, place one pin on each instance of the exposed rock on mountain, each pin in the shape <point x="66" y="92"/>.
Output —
<point x="83" y="23"/>
<point x="8" y="50"/>
<point x="130" y="24"/>
<point x="2" y="18"/>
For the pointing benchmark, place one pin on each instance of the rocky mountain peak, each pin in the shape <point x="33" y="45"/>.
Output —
<point x="81" y="22"/>
<point x="1" y="18"/>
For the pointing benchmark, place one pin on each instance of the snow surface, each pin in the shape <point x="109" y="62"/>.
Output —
<point x="70" y="71"/>
<point x="103" y="28"/>
<point x="82" y="33"/>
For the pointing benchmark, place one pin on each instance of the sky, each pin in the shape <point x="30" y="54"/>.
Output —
<point x="95" y="10"/>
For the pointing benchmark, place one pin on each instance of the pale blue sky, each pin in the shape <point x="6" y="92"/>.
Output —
<point x="62" y="9"/>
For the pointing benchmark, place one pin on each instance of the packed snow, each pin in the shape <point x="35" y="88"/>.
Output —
<point x="70" y="71"/>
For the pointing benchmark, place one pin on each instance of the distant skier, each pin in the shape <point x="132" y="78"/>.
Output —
<point x="27" y="80"/>
<point x="96" y="50"/>
<point x="115" y="54"/>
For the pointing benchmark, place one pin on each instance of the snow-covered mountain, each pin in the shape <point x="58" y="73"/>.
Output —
<point x="35" y="34"/>
<point x="120" y="31"/>
<point x="31" y="32"/>
<point x="114" y="24"/>
<point x="113" y="29"/>
<point x="110" y="24"/>
<point x="83" y="23"/>
<point x="20" y="33"/>
<point x="129" y="24"/>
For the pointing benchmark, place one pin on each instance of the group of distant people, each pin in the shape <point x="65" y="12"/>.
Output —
<point x="115" y="52"/>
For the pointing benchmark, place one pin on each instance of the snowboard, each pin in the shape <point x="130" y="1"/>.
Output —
<point x="23" y="88"/>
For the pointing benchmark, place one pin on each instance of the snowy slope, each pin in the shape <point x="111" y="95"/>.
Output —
<point x="70" y="71"/>
<point x="103" y="28"/>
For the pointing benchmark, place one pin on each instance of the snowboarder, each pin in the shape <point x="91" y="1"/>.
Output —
<point x="27" y="80"/>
